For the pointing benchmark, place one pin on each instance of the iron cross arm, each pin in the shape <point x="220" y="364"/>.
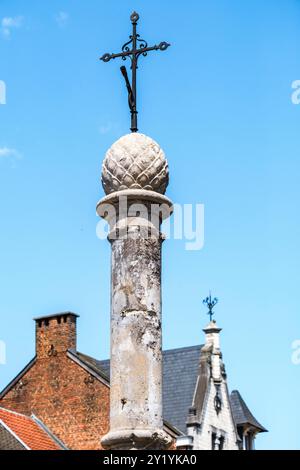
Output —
<point x="133" y="49"/>
<point x="162" y="46"/>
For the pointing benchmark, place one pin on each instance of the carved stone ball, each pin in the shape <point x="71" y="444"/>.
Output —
<point x="135" y="161"/>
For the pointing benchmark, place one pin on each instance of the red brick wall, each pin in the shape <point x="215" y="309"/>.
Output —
<point x="73" y="404"/>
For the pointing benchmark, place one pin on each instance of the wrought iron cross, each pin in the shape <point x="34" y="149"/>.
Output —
<point x="210" y="304"/>
<point x="138" y="47"/>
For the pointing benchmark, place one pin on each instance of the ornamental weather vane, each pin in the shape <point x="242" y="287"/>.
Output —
<point x="210" y="304"/>
<point x="138" y="47"/>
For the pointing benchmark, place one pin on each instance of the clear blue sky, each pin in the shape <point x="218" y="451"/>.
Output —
<point x="219" y="103"/>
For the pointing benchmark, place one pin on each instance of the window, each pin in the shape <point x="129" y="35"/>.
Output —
<point x="217" y="441"/>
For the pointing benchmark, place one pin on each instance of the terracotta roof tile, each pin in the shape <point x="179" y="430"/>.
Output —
<point x="28" y="431"/>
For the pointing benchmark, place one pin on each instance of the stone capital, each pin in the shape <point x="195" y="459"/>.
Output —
<point x="134" y="212"/>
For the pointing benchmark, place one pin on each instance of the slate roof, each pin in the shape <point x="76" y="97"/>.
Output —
<point x="30" y="432"/>
<point x="241" y="413"/>
<point x="8" y="441"/>
<point x="180" y="369"/>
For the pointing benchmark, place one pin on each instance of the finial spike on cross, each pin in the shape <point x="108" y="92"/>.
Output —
<point x="139" y="47"/>
<point x="210" y="304"/>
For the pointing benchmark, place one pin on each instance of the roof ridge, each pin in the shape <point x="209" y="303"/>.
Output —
<point x="76" y="357"/>
<point x="15" y="413"/>
<point x="18" y="377"/>
<point x="196" y="346"/>
<point x="45" y="428"/>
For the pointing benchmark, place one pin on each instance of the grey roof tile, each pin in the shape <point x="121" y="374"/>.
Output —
<point x="180" y="370"/>
<point x="8" y="441"/>
<point x="241" y="413"/>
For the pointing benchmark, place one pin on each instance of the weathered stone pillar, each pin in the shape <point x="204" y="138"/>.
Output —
<point x="134" y="177"/>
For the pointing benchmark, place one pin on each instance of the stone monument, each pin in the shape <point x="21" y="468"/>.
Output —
<point x="135" y="178"/>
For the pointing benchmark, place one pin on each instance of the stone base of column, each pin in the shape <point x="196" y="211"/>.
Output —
<point x="139" y="439"/>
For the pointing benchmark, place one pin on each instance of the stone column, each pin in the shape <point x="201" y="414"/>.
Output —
<point x="134" y="177"/>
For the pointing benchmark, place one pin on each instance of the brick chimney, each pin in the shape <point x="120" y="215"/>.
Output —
<point x="55" y="334"/>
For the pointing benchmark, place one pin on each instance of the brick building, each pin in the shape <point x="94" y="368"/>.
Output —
<point x="67" y="393"/>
